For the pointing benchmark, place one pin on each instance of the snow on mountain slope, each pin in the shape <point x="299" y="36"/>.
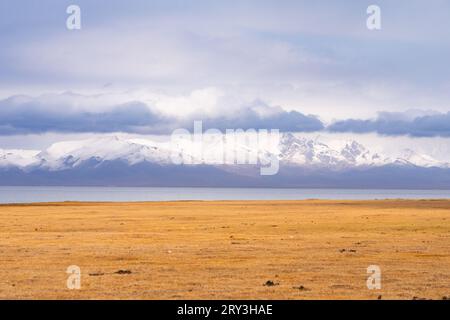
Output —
<point x="289" y="149"/>
<point x="357" y="154"/>
<point x="17" y="158"/>
<point x="73" y="153"/>
<point x="421" y="160"/>
<point x="301" y="151"/>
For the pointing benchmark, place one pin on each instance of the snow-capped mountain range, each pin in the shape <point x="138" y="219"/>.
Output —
<point x="308" y="163"/>
<point x="291" y="151"/>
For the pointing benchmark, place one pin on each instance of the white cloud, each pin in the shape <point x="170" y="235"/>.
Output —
<point x="317" y="58"/>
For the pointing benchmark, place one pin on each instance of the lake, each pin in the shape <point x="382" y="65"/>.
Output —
<point x="51" y="194"/>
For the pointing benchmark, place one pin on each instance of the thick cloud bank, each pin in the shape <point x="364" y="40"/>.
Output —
<point x="73" y="113"/>
<point x="413" y="123"/>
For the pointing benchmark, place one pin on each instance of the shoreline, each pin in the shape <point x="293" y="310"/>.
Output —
<point x="70" y="202"/>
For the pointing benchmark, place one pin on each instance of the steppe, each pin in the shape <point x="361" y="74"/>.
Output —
<point x="312" y="249"/>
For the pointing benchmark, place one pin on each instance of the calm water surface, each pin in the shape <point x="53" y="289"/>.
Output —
<point x="50" y="194"/>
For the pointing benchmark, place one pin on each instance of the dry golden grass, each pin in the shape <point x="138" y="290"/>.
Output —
<point x="226" y="249"/>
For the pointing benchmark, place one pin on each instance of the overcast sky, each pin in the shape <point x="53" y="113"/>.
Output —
<point x="147" y="67"/>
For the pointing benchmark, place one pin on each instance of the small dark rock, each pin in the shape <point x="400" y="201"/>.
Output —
<point x="270" y="283"/>
<point x="349" y="250"/>
<point x="123" y="272"/>
<point x="301" y="288"/>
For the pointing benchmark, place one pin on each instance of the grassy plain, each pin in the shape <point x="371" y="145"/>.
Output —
<point x="226" y="249"/>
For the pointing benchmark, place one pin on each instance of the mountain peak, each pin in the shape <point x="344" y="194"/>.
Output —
<point x="354" y="150"/>
<point x="421" y="160"/>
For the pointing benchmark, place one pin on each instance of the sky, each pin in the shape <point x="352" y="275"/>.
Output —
<point x="149" y="67"/>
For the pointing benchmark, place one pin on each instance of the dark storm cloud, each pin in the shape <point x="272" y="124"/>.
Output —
<point x="70" y="113"/>
<point x="431" y="125"/>
<point x="291" y="121"/>
<point x="22" y="115"/>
